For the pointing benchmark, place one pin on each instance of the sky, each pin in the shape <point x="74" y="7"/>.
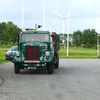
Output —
<point x="86" y="14"/>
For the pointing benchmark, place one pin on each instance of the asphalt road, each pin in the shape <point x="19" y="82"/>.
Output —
<point x="75" y="79"/>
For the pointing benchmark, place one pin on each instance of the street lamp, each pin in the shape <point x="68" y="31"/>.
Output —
<point x="44" y="14"/>
<point x="22" y="14"/>
<point x="68" y="29"/>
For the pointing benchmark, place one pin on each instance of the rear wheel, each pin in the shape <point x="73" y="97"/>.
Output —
<point x="17" y="68"/>
<point x="57" y="64"/>
<point x="56" y="60"/>
<point x="50" y="67"/>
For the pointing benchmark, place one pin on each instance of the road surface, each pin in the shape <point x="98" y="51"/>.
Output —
<point x="75" y="79"/>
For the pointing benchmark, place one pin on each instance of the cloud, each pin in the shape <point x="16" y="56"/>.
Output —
<point x="86" y="15"/>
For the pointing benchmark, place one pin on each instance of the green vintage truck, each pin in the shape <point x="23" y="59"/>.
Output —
<point x="37" y="49"/>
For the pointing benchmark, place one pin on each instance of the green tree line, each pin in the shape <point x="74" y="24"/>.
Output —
<point x="7" y="32"/>
<point x="85" y="38"/>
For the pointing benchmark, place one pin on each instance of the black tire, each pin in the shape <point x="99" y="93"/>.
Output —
<point x="50" y="67"/>
<point x="17" y="68"/>
<point x="57" y="64"/>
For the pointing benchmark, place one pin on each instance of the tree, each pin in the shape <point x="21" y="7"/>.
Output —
<point x="9" y="32"/>
<point x="2" y="27"/>
<point x="63" y="37"/>
<point x="89" y="38"/>
<point x="70" y="39"/>
<point x="77" y="38"/>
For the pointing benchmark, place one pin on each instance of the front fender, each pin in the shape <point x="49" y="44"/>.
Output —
<point x="45" y="59"/>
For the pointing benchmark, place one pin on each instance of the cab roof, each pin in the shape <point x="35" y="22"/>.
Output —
<point x="33" y="32"/>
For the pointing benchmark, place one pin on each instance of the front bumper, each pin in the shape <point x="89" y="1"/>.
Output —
<point x="31" y="61"/>
<point x="19" y="60"/>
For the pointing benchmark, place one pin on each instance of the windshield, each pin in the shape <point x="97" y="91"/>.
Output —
<point x="35" y="37"/>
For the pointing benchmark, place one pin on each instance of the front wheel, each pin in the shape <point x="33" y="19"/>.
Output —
<point x="50" y="67"/>
<point x="17" y="68"/>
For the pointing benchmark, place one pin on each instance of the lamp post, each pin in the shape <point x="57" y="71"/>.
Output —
<point x="68" y="29"/>
<point x="44" y="14"/>
<point x="22" y="14"/>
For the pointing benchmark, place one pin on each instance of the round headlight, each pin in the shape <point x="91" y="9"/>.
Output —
<point x="47" y="53"/>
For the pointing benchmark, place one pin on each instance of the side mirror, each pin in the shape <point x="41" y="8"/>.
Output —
<point x="51" y="35"/>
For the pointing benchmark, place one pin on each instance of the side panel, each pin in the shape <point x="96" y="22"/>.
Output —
<point x="56" y="41"/>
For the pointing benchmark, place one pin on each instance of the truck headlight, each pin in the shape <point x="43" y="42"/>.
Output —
<point x="47" y="53"/>
<point x="17" y="54"/>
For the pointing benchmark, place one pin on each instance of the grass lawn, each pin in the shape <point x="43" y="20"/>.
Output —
<point x="78" y="52"/>
<point x="74" y="52"/>
<point x="2" y="54"/>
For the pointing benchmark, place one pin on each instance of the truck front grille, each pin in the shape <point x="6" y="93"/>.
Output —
<point x="32" y="53"/>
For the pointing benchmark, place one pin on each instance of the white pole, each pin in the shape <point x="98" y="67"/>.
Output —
<point x="68" y="29"/>
<point x="64" y="29"/>
<point x="98" y="45"/>
<point x="44" y="14"/>
<point x="63" y="26"/>
<point x="22" y="14"/>
<point x="54" y="24"/>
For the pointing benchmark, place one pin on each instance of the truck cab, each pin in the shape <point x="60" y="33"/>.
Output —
<point x="37" y="49"/>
